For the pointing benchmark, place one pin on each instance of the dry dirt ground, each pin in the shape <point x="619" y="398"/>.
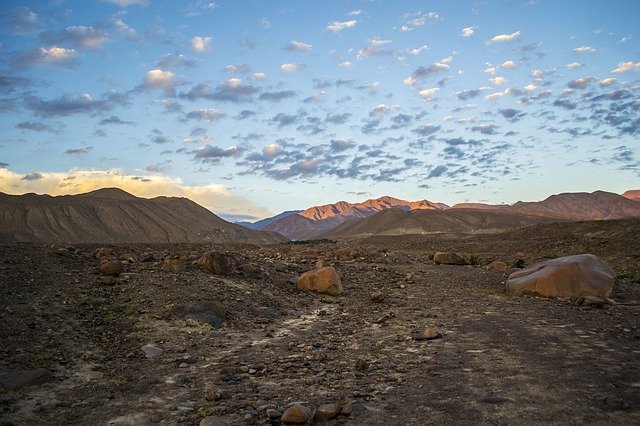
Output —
<point x="246" y="344"/>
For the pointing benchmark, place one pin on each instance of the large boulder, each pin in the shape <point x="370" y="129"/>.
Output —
<point x="217" y="263"/>
<point x="567" y="277"/>
<point x="446" y="258"/>
<point x="324" y="280"/>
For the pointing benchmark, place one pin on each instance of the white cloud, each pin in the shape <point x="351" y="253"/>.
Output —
<point x="213" y="196"/>
<point x="346" y="65"/>
<point x="201" y="44"/>
<point x="207" y="114"/>
<point x="530" y="88"/>
<point x="627" y="66"/>
<point x="272" y="150"/>
<point x="429" y="93"/>
<point x="160" y="79"/>
<point x="584" y="49"/>
<point x="501" y="38"/>
<point x="509" y="65"/>
<point x="494" y="96"/>
<point x="257" y="76"/>
<point x="383" y="109"/>
<point x="498" y="80"/>
<point x="336" y="26"/>
<point x="575" y="65"/>
<point x="356" y="12"/>
<point x="292" y="67"/>
<point x="537" y="73"/>
<point x="607" y="82"/>
<point x="298" y="46"/>
<point x="467" y="32"/>
<point x="490" y="69"/>
<point x="418" y="50"/>
<point x="124" y="3"/>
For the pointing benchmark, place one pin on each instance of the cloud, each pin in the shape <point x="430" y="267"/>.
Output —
<point x="277" y="96"/>
<point x="233" y="90"/>
<point x="494" y="96"/>
<point x="125" y="3"/>
<point x="501" y="38"/>
<point x="383" y="109"/>
<point x="291" y="67"/>
<point x="418" y="19"/>
<point x="282" y="119"/>
<point x="345" y="65"/>
<point x="67" y="105"/>
<point x="200" y="44"/>
<point x="509" y="65"/>
<point x="498" y="80"/>
<point x="468" y="94"/>
<point x="422" y="73"/>
<point x="428" y="93"/>
<point x="210" y="153"/>
<point x="272" y="150"/>
<point x="170" y="60"/>
<point x="337" y="26"/>
<point x="54" y="55"/>
<point x="485" y="129"/>
<point x="297" y="46"/>
<point x="340" y="145"/>
<point x="78" y="151"/>
<point x="437" y="171"/>
<point x="212" y="196"/>
<point x="512" y="114"/>
<point x="565" y="103"/>
<point x="584" y="49"/>
<point x="9" y="83"/>
<point x="158" y="79"/>
<point x="257" y="76"/>
<point x="467" y="31"/>
<point x="337" y="118"/>
<point x="21" y="20"/>
<point x="35" y="126"/>
<point x="114" y="120"/>
<point x="607" y="82"/>
<point x="426" y="130"/>
<point x="575" y="65"/>
<point x="580" y="83"/>
<point x="207" y="114"/>
<point x="79" y="36"/>
<point x="245" y="114"/>
<point x="627" y="66"/>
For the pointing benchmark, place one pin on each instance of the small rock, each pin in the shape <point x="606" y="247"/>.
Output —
<point x="498" y="265"/>
<point x="347" y="409"/>
<point x="151" y="351"/>
<point x="102" y="252"/>
<point x="111" y="268"/>
<point x="448" y="258"/>
<point x="377" y="297"/>
<point x="251" y="270"/>
<point x="273" y="414"/>
<point x="297" y="414"/>
<point x="327" y="411"/>
<point x="362" y="365"/>
<point x="427" y="333"/>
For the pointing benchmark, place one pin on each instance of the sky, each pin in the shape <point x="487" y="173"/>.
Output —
<point x="251" y="108"/>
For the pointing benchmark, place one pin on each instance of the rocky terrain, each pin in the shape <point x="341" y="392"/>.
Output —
<point x="166" y="333"/>
<point x="112" y="215"/>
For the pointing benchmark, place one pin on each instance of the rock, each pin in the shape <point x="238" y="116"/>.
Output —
<point x="377" y="296"/>
<point x="111" y="268"/>
<point x="324" y="280"/>
<point x="347" y="409"/>
<point x="102" y="252"/>
<point x="297" y="414"/>
<point x="251" y="270"/>
<point x="362" y="365"/>
<point x="151" y="351"/>
<point x="20" y="379"/>
<point x="273" y="414"/>
<point x="217" y="263"/>
<point x="448" y="258"/>
<point x="427" y="334"/>
<point x="128" y="257"/>
<point x="172" y="265"/>
<point x="568" y="277"/>
<point x="214" y="421"/>
<point x="206" y="312"/>
<point x="327" y="411"/>
<point x="498" y="265"/>
<point x="594" y="302"/>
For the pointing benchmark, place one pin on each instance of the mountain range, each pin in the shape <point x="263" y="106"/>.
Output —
<point x="388" y="215"/>
<point x="111" y="215"/>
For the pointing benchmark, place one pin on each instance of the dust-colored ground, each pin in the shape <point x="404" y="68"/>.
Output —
<point x="501" y="359"/>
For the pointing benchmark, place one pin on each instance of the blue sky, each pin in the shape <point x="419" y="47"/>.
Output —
<point x="254" y="107"/>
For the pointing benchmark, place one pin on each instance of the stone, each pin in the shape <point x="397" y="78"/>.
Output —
<point x="362" y="365"/>
<point x="102" y="252"/>
<point x="347" y="409"/>
<point x="172" y="265"/>
<point x="566" y="277"/>
<point x="327" y="412"/>
<point x="296" y="414"/>
<point x="128" y="257"/>
<point x="216" y="263"/>
<point x="111" y="268"/>
<point x="151" y="351"/>
<point x="427" y="333"/>
<point x="377" y="296"/>
<point x="594" y="302"/>
<point x="498" y="265"/>
<point x="251" y="270"/>
<point x="205" y="312"/>
<point x="214" y="421"/>
<point x="273" y="414"/>
<point x="20" y="379"/>
<point x="324" y="280"/>
<point x="448" y="258"/>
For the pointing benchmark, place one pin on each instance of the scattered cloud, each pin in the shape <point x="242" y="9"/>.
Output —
<point x="467" y="31"/>
<point x="210" y="153"/>
<point x="35" y="126"/>
<point x="200" y="44"/>
<point x="501" y="38"/>
<point x="54" y="55"/>
<point x="337" y="26"/>
<point x="21" y="20"/>
<point x="207" y="114"/>
<point x="78" y="151"/>
<point x="428" y="93"/>
<point x="298" y="46"/>
<point x="627" y="66"/>
<point x="575" y="65"/>
<point x="437" y="171"/>
<point x="422" y="73"/>
<point x="607" y="82"/>
<point x="292" y="67"/>
<point x="345" y="65"/>
<point x="584" y="49"/>
<point x="158" y="79"/>
<point x="79" y="36"/>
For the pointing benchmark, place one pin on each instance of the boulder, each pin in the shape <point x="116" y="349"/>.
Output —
<point x="448" y="258"/>
<point x="567" y="277"/>
<point x="498" y="265"/>
<point x="327" y="412"/>
<point x="296" y="414"/>
<point x="111" y="268"/>
<point x="172" y="265"/>
<point x="324" y="280"/>
<point x="217" y="263"/>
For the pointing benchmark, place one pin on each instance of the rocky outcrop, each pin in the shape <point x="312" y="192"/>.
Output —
<point x="567" y="277"/>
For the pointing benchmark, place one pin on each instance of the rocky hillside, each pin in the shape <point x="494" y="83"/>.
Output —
<point x="114" y="216"/>
<point x="632" y="194"/>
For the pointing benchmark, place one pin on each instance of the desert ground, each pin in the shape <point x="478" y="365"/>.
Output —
<point x="445" y="345"/>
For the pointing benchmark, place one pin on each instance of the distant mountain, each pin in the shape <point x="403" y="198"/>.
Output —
<point x="261" y="224"/>
<point x="111" y="215"/>
<point x="320" y="219"/>
<point x="479" y="206"/>
<point x="398" y="222"/>
<point x="632" y="194"/>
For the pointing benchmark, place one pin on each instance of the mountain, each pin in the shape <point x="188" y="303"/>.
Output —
<point x="320" y="219"/>
<point x="398" y="222"/>
<point x="632" y="194"/>
<point x="112" y="215"/>
<point x="261" y="224"/>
